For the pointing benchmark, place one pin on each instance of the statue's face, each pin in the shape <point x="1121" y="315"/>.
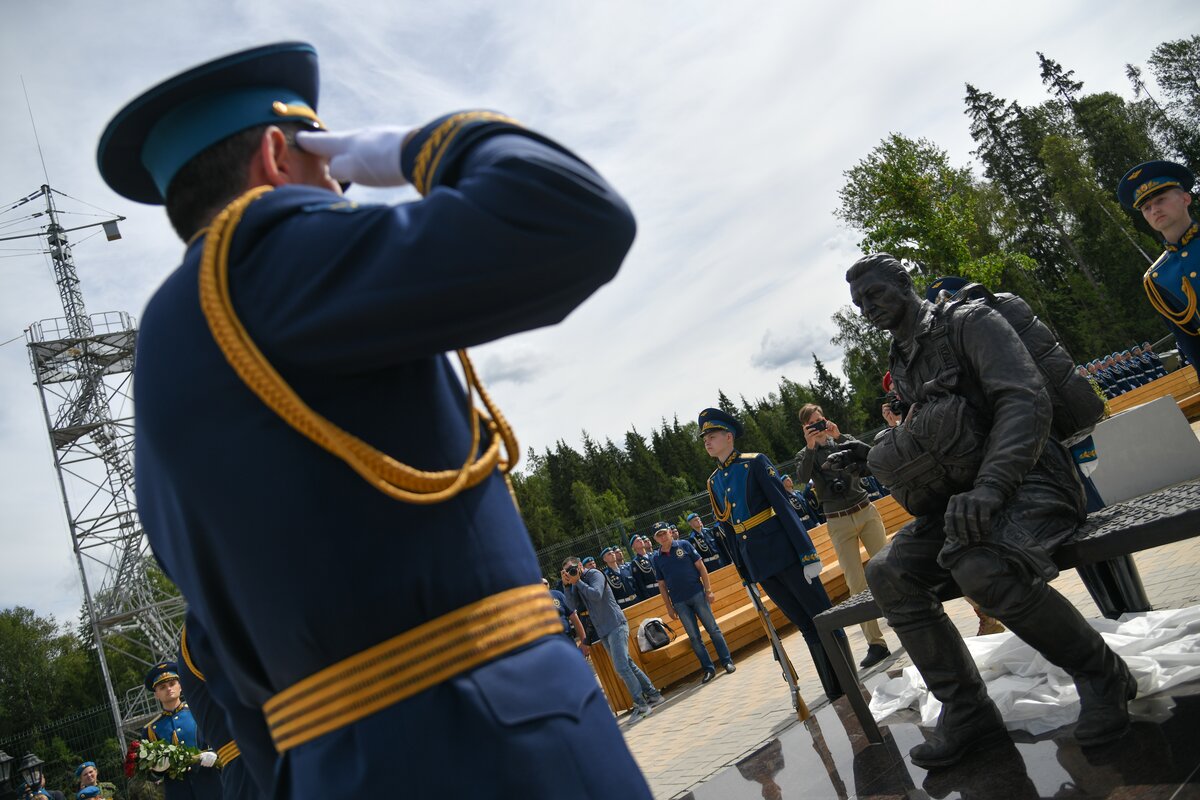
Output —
<point x="881" y="301"/>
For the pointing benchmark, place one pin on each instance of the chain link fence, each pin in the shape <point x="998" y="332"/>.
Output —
<point x="618" y="532"/>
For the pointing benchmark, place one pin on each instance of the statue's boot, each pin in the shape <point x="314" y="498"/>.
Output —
<point x="969" y="719"/>
<point x="1057" y="630"/>
<point x="829" y="681"/>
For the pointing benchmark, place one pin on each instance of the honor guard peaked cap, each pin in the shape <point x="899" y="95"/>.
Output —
<point x="162" y="671"/>
<point x="950" y="284"/>
<point x="714" y="419"/>
<point x="155" y="135"/>
<point x="1146" y="180"/>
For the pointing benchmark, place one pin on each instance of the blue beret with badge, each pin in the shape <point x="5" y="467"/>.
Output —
<point x="714" y="419"/>
<point x="162" y="671"/>
<point x="949" y="284"/>
<point x="588" y="560"/>
<point x="155" y="135"/>
<point x="79" y="770"/>
<point x="1148" y="179"/>
<point x="692" y="515"/>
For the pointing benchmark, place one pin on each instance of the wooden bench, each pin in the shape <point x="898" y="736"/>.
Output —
<point x="1162" y="517"/>
<point x="1181" y="384"/>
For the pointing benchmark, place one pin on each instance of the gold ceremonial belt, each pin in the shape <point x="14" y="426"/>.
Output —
<point x="392" y="671"/>
<point x="228" y="752"/>
<point x="757" y="519"/>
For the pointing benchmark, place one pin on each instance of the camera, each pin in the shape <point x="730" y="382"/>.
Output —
<point x="897" y="406"/>
<point x="573" y="570"/>
<point x="837" y="485"/>
<point x="819" y="425"/>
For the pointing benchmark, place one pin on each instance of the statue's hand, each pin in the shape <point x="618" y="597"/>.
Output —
<point x="969" y="514"/>
<point x="847" y="456"/>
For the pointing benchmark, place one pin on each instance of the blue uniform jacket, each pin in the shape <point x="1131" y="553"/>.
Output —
<point x="232" y="781"/>
<point x="623" y="587"/>
<point x="743" y="487"/>
<point x="1176" y="266"/>
<point x="642" y="569"/>
<point x="706" y="545"/>
<point x="290" y="561"/>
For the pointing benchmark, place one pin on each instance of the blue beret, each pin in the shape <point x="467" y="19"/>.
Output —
<point x="81" y="767"/>
<point x="588" y="560"/>
<point x="162" y="671"/>
<point x="88" y="791"/>
<point x="1146" y="180"/>
<point x="714" y="419"/>
<point x="950" y="284"/>
<point x="689" y="517"/>
<point x="156" y="134"/>
<point x="633" y="539"/>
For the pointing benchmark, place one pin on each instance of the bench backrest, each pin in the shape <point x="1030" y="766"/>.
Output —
<point x="1178" y="384"/>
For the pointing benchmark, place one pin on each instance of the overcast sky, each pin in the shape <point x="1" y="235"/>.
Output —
<point x="726" y="126"/>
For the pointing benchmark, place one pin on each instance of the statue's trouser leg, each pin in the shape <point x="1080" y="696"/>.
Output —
<point x="904" y="577"/>
<point x="1048" y="622"/>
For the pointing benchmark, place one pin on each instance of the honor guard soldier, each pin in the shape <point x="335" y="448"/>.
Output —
<point x="619" y="578"/>
<point x="175" y="724"/>
<point x="304" y="340"/>
<point x="705" y="542"/>
<point x="235" y="782"/>
<point x="772" y="544"/>
<point x="642" y="567"/>
<point x="1161" y="190"/>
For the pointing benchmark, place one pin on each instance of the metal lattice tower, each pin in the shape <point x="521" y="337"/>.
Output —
<point x="83" y="367"/>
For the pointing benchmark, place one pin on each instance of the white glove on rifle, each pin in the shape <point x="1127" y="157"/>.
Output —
<point x="208" y="758"/>
<point x="370" y="156"/>
<point x="812" y="570"/>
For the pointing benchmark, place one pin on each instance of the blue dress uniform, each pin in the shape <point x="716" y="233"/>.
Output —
<point x="773" y="547"/>
<point x="706" y="545"/>
<point x="642" y="569"/>
<point x="179" y="727"/>
<point x="1171" y="281"/>
<point x="564" y="611"/>
<point x="621" y="582"/>
<point x="233" y="781"/>
<point x="269" y="531"/>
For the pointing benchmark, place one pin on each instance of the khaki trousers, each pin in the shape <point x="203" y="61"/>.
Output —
<point x="845" y="533"/>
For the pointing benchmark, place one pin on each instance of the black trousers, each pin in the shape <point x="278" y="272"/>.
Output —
<point x="799" y="600"/>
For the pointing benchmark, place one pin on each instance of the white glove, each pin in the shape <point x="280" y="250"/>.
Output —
<point x="370" y="156"/>
<point x="208" y="758"/>
<point x="811" y="571"/>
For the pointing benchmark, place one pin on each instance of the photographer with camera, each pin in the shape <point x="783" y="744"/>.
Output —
<point x="847" y="509"/>
<point x="587" y="588"/>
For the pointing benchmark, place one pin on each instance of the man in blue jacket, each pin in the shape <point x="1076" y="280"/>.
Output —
<point x="300" y="425"/>
<point x="771" y="544"/>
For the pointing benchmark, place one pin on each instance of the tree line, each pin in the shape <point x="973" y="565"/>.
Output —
<point x="1041" y="221"/>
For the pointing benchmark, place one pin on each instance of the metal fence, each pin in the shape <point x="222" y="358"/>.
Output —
<point x="87" y="735"/>
<point x="550" y="558"/>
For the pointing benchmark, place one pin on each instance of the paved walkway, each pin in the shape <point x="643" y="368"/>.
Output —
<point x="702" y="730"/>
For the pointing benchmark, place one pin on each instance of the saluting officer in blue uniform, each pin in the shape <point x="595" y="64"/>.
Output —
<point x="235" y="781"/>
<point x="620" y="578"/>
<point x="1161" y="190"/>
<point x="642" y="567"/>
<point x="176" y="724"/>
<point x="772" y="544"/>
<point x="705" y="542"/>
<point x="298" y="422"/>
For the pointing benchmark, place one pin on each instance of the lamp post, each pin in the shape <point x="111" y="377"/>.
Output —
<point x="31" y="771"/>
<point x="6" y="769"/>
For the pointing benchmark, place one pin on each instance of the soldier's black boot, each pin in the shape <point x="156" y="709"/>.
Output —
<point x="829" y="681"/>
<point x="1057" y="630"/>
<point x="969" y="720"/>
